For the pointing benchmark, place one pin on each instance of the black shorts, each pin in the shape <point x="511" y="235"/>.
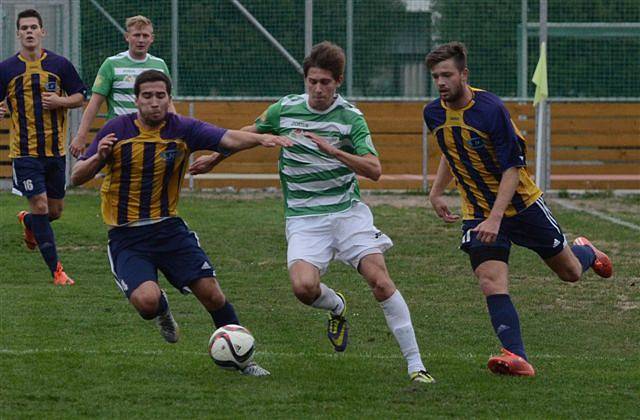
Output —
<point x="534" y="228"/>
<point x="137" y="253"/>
<point x="37" y="175"/>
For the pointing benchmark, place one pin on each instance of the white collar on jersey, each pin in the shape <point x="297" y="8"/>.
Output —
<point x="337" y="101"/>
<point x="144" y="60"/>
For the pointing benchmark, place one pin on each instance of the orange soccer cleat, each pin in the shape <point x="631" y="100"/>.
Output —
<point x="60" y="278"/>
<point x="29" y="239"/>
<point x="602" y="265"/>
<point x="510" y="364"/>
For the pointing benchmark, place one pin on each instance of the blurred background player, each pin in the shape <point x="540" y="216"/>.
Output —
<point x="114" y="82"/>
<point x="485" y="152"/>
<point x="325" y="218"/>
<point x="37" y="88"/>
<point x="145" y="156"/>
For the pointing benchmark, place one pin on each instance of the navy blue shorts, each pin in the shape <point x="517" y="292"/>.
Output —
<point x="137" y="253"/>
<point x="36" y="175"/>
<point x="534" y="228"/>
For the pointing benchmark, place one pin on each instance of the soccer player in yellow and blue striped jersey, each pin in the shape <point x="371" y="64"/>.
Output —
<point x="484" y="152"/>
<point x="145" y="155"/>
<point x="38" y="87"/>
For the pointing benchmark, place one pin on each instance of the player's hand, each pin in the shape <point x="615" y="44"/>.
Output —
<point x="3" y="109"/>
<point x="51" y="100"/>
<point x="487" y="231"/>
<point x="442" y="210"/>
<point x="77" y="145"/>
<point x="269" y="140"/>
<point x="105" y="147"/>
<point x="204" y="164"/>
<point x="322" y="144"/>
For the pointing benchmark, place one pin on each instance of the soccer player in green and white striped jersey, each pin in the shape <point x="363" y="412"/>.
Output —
<point x="116" y="76"/>
<point x="325" y="218"/>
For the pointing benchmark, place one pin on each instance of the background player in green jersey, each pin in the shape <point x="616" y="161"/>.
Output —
<point x="114" y="82"/>
<point x="325" y="218"/>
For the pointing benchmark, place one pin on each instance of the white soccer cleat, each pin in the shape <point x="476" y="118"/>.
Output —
<point x="168" y="326"/>
<point x="254" y="369"/>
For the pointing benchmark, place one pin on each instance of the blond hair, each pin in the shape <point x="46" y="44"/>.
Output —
<point x="137" y="21"/>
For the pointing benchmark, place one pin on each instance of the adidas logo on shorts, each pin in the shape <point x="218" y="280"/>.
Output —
<point x="205" y="266"/>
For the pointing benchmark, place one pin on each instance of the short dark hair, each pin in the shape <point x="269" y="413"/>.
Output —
<point x="455" y="50"/>
<point x="27" y="14"/>
<point x="151" y="76"/>
<point x="328" y="56"/>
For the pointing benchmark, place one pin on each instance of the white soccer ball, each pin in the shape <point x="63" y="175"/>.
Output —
<point x="232" y="347"/>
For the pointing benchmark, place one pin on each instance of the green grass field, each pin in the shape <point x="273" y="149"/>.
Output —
<point x="83" y="351"/>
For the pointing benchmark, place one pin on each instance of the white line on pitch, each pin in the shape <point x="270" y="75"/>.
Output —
<point x="269" y="354"/>
<point x="595" y="213"/>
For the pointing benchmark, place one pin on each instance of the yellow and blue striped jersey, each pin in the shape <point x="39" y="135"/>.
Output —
<point x="35" y="131"/>
<point x="480" y="141"/>
<point x="145" y="172"/>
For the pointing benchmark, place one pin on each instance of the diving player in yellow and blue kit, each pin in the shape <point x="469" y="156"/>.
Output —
<point x="484" y="152"/>
<point x="37" y="87"/>
<point x="145" y="155"/>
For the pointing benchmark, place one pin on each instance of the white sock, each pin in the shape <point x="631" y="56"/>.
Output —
<point x="398" y="319"/>
<point x="328" y="300"/>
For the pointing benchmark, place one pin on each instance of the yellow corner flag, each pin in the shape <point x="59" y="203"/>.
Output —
<point x="540" y="76"/>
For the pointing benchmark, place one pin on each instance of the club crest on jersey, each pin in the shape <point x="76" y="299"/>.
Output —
<point x="475" y="143"/>
<point x="51" y="86"/>
<point x="170" y="155"/>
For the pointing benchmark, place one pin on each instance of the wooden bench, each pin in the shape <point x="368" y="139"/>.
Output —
<point x="594" y="145"/>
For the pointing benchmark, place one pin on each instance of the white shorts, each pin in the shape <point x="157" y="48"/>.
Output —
<point x="348" y="236"/>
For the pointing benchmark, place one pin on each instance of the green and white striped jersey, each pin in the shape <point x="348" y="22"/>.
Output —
<point x="314" y="182"/>
<point x="116" y="77"/>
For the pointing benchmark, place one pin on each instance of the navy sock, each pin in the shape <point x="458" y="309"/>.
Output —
<point x="225" y="315"/>
<point x="27" y="220"/>
<point x="163" y="305"/>
<point x="506" y="324"/>
<point x="43" y="233"/>
<point x="585" y="255"/>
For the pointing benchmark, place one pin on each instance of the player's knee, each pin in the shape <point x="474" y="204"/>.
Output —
<point x="306" y="292"/>
<point x="491" y="284"/>
<point x="570" y="274"/>
<point x="382" y="287"/>
<point x="146" y="305"/>
<point x="39" y="206"/>
<point x="54" y="214"/>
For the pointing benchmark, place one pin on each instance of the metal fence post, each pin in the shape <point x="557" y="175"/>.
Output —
<point x="192" y="180"/>
<point x="425" y="157"/>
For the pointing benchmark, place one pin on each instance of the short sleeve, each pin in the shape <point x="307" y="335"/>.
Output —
<point x="109" y="127"/>
<point x="505" y="140"/>
<point x="104" y="79"/>
<point x="71" y="81"/>
<point x="204" y="136"/>
<point x="361" y="137"/>
<point x="269" y="120"/>
<point x="165" y="69"/>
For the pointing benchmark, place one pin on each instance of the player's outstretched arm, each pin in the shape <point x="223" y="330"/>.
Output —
<point x="206" y="163"/>
<point x="80" y="140"/>
<point x="443" y="178"/>
<point x="85" y="170"/>
<point x="367" y="165"/>
<point x="236" y="140"/>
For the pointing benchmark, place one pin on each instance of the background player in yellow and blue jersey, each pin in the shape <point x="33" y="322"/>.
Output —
<point x="38" y="87"/>
<point x="145" y="156"/>
<point x="484" y="152"/>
